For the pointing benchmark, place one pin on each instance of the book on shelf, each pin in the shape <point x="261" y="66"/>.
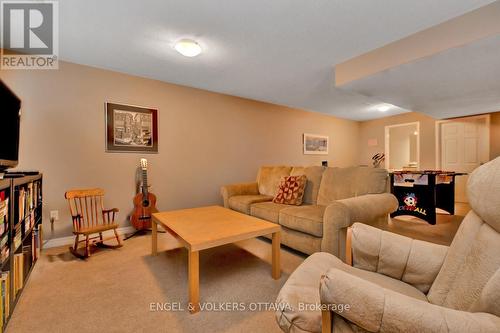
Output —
<point x="27" y="259"/>
<point x="29" y="222"/>
<point x="21" y="200"/>
<point x="2" y="306"/>
<point x="17" y="236"/>
<point x="4" y="227"/>
<point x="5" y="297"/>
<point x="3" y="195"/>
<point x="18" y="272"/>
<point x="36" y="242"/>
<point x="14" y="276"/>
<point x="39" y="239"/>
<point x="4" y="213"/>
<point x="29" y="198"/>
<point x="38" y="193"/>
<point x="4" y="247"/>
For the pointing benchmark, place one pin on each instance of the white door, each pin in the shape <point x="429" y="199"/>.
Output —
<point x="464" y="147"/>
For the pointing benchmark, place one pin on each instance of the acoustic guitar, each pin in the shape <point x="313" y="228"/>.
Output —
<point x="144" y="202"/>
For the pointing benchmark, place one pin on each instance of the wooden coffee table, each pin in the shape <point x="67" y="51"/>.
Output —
<point x="206" y="227"/>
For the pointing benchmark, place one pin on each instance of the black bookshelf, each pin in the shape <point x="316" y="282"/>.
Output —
<point x="23" y="238"/>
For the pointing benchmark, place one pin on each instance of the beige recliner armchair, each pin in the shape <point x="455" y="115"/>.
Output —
<point x="397" y="284"/>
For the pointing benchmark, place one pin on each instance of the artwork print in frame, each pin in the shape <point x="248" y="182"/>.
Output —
<point x="131" y="128"/>
<point x="315" y="144"/>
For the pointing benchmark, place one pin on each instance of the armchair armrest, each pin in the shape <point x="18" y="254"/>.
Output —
<point x="381" y="310"/>
<point x="228" y="191"/>
<point x="343" y="213"/>
<point x="108" y="215"/>
<point x="112" y="210"/>
<point x="412" y="261"/>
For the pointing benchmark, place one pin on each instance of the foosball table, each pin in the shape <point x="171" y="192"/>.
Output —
<point x="419" y="193"/>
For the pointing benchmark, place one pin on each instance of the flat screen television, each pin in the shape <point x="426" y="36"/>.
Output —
<point x="10" y="116"/>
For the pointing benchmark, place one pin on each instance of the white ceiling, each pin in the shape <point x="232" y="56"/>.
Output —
<point x="457" y="82"/>
<point x="279" y="51"/>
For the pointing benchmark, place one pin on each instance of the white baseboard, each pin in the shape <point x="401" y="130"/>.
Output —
<point x="55" y="242"/>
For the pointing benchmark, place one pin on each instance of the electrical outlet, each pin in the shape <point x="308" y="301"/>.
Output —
<point x="54" y="215"/>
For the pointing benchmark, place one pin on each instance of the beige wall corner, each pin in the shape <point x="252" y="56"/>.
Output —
<point x="372" y="140"/>
<point x="205" y="139"/>
<point x="373" y="131"/>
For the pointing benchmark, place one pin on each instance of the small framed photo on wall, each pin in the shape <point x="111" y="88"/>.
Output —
<point x="131" y="128"/>
<point x="315" y="144"/>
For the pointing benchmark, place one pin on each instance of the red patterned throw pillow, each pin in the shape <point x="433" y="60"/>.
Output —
<point x="291" y="190"/>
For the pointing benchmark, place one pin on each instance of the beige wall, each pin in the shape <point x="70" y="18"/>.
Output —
<point x="495" y="135"/>
<point x="205" y="139"/>
<point x="402" y="146"/>
<point x="374" y="130"/>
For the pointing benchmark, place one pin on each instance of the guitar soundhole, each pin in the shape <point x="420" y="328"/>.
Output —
<point x="145" y="203"/>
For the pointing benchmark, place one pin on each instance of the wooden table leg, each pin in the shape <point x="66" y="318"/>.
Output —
<point x="154" y="238"/>
<point x="276" y="256"/>
<point x="326" y="321"/>
<point x="194" y="281"/>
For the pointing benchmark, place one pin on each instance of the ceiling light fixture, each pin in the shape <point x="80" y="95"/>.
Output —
<point x="188" y="48"/>
<point x="383" y="108"/>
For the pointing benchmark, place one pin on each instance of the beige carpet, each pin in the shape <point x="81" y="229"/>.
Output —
<point x="112" y="291"/>
<point x="441" y="233"/>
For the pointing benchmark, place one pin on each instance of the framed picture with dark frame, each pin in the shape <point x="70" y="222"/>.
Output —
<point x="131" y="128"/>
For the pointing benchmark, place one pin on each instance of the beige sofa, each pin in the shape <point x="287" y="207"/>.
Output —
<point x="334" y="199"/>
<point x="397" y="284"/>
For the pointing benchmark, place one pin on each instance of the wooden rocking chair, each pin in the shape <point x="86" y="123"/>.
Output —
<point x="89" y="217"/>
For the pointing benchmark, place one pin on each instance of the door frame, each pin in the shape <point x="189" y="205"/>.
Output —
<point x="387" y="145"/>
<point x="438" y="124"/>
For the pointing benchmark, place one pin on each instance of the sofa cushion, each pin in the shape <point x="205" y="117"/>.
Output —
<point x="313" y="174"/>
<point x="371" y="180"/>
<point x="336" y="184"/>
<point x="269" y="178"/>
<point x="268" y="211"/>
<point x="241" y="203"/>
<point x="343" y="183"/>
<point x="291" y="190"/>
<point x="302" y="287"/>
<point x="308" y="219"/>
<point x="300" y="241"/>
